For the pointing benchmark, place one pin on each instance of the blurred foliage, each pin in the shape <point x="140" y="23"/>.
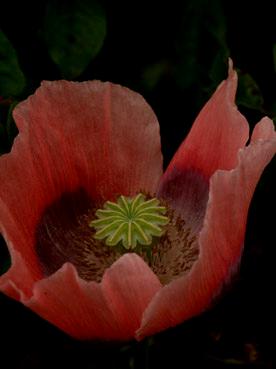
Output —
<point x="274" y="56"/>
<point x="249" y="93"/>
<point x="74" y="32"/>
<point x="12" y="80"/>
<point x="8" y="129"/>
<point x="152" y="74"/>
<point x="203" y="22"/>
<point x="2" y="139"/>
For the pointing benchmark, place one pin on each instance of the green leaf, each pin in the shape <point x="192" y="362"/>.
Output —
<point x="12" y="80"/>
<point x="74" y="33"/>
<point x="249" y="94"/>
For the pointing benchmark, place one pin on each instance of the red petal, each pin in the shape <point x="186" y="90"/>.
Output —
<point x="75" y="306"/>
<point x="217" y="134"/>
<point x="98" y="136"/>
<point x="129" y="286"/>
<point x="88" y="310"/>
<point x="264" y="130"/>
<point x="221" y="240"/>
<point x="18" y="281"/>
<point x="213" y="142"/>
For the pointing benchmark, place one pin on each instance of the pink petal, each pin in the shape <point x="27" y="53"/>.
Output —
<point x="217" y="134"/>
<point x="24" y="270"/>
<point x="221" y="239"/>
<point x="213" y="142"/>
<point x="88" y="310"/>
<point x="18" y="282"/>
<point x="92" y="135"/>
<point x="129" y="286"/>
<point x="75" y="306"/>
<point x="98" y="135"/>
<point x="264" y="130"/>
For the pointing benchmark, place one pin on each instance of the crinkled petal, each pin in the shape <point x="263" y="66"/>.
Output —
<point x="92" y="135"/>
<point x="213" y="142"/>
<point x="18" y="282"/>
<point x="101" y="135"/>
<point x="129" y="286"/>
<point x="221" y="239"/>
<point x="217" y="134"/>
<point x="87" y="310"/>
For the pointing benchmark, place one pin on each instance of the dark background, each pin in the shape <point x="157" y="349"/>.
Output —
<point x="174" y="54"/>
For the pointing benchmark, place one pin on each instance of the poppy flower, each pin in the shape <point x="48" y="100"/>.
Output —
<point x="88" y="156"/>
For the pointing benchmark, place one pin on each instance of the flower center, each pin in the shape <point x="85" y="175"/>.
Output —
<point x="130" y="221"/>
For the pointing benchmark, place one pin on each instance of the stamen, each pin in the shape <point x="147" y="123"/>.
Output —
<point x="134" y="224"/>
<point x="176" y="251"/>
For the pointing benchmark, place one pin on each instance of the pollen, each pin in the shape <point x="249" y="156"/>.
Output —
<point x="130" y="221"/>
